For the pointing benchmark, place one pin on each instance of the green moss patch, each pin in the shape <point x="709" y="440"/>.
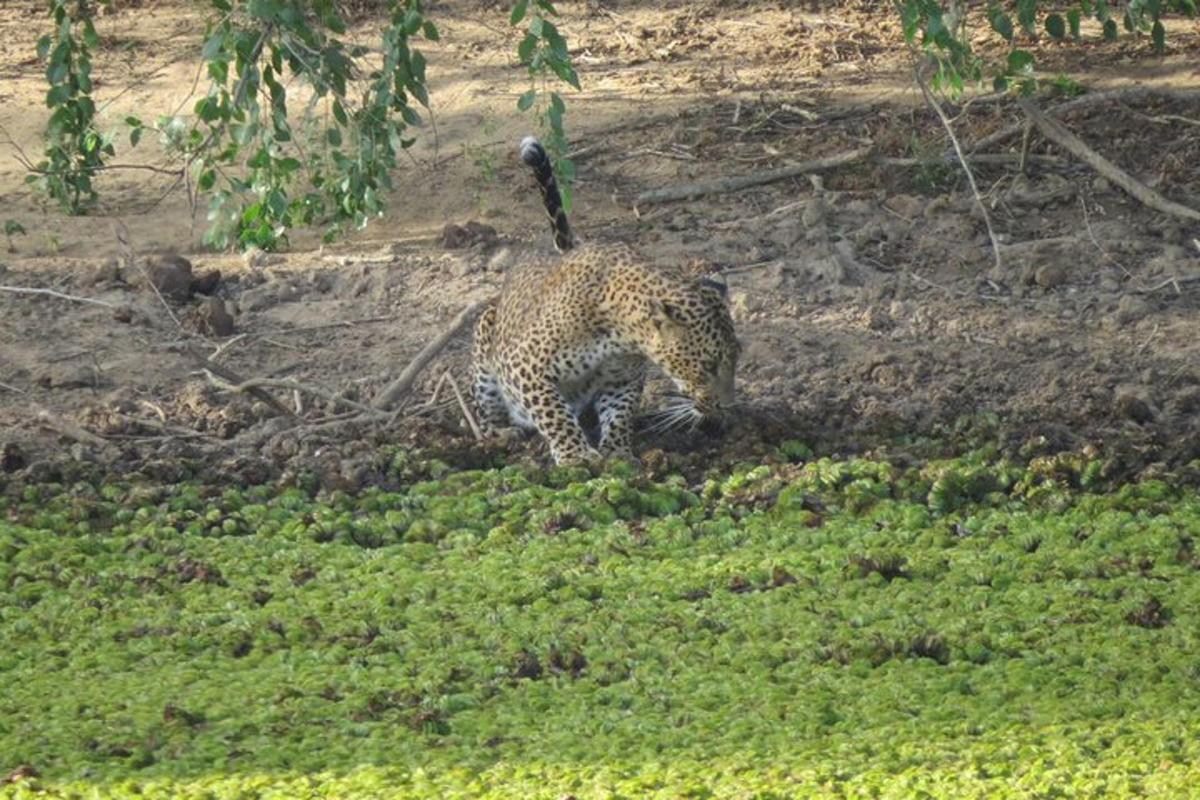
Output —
<point x="968" y="628"/>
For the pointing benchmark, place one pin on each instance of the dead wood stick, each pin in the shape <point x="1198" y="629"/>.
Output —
<point x="466" y="410"/>
<point x="1057" y="133"/>
<point x="11" y="388"/>
<point x="303" y="388"/>
<point x="70" y="429"/>
<point x="232" y="378"/>
<point x="1091" y="99"/>
<point x="962" y="159"/>
<point x="122" y="234"/>
<point x="402" y="384"/>
<point x="973" y="158"/>
<point x="689" y="191"/>
<point x="59" y="295"/>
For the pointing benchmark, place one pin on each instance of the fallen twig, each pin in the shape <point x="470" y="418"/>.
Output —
<point x="51" y="293"/>
<point x="402" y="384"/>
<point x="70" y="429"/>
<point x="1057" y="133"/>
<point x="122" y="234"/>
<point x="231" y="378"/>
<point x="1175" y="283"/>
<point x="466" y="410"/>
<point x="166" y="429"/>
<point x="962" y="159"/>
<point x="688" y="191"/>
<point x="13" y="389"/>
<point x="303" y="388"/>
<point x="1092" y="98"/>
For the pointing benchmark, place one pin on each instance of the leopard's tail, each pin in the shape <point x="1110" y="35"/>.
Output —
<point x="533" y="154"/>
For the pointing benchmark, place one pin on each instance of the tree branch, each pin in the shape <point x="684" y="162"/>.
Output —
<point x="1057" y="133"/>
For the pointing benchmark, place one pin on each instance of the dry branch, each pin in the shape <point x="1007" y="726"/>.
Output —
<point x="233" y="379"/>
<point x="1091" y="99"/>
<point x="70" y="429"/>
<point x="403" y="384"/>
<point x="689" y="191"/>
<point x="958" y="151"/>
<point x="122" y="234"/>
<point x="303" y="388"/>
<point x="59" y="295"/>
<point x="1057" y="133"/>
<point x="466" y="409"/>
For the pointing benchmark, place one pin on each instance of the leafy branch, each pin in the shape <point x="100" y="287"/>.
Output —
<point x="940" y="30"/>
<point x="544" y="53"/>
<point x="75" y="149"/>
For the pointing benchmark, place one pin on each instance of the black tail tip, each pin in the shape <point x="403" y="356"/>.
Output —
<point x="532" y="152"/>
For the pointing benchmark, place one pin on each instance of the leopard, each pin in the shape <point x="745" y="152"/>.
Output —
<point x="574" y="335"/>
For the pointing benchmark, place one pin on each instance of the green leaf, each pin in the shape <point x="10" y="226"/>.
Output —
<point x="43" y="46"/>
<point x="1073" y="19"/>
<point x="135" y="136"/>
<point x="207" y="179"/>
<point x="339" y="113"/>
<point x="1055" y="26"/>
<point x="525" y="101"/>
<point x="1002" y="24"/>
<point x="526" y="48"/>
<point x="1000" y="84"/>
<point x="537" y="25"/>
<point x="334" y="137"/>
<point x="518" y="12"/>
<point x="557" y="43"/>
<point x="1020" y="61"/>
<point x="214" y="45"/>
<point x="1027" y="15"/>
<point x="431" y="32"/>
<point x="1110" y="30"/>
<point x="1159" y="35"/>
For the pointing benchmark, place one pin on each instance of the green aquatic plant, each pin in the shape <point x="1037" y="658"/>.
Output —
<point x="821" y="628"/>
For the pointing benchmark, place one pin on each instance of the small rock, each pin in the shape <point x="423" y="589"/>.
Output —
<point x="267" y="295"/>
<point x="906" y="205"/>
<point x="1101" y="185"/>
<point x="937" y="205"/>
<point x="879" y="320"/>
<point x="108" y="271"/>
<point x="12" y="457"/>
<point x="255" y="258"/>
<point x="207" y="282"/>
<point x="465" y="265"/>
<point x="171" y="275"/>
<point x="211" y="318"/>
<point x="458" y="237"/>
<point x="1050" y="276"/>
<point x="69" y="377"/>
<point x="816" y="211"/>
<point x="501" y="260"/>
<point x="1133" y="403"/>
<point x="1130" y="309"/>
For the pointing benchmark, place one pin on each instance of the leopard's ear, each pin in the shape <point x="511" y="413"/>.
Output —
<point x="716" y="281"/>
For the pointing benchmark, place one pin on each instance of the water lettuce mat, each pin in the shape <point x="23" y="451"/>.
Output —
<point x="960" y="629"/>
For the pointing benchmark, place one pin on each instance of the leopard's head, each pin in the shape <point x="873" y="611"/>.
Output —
<point x="688" y="332"/>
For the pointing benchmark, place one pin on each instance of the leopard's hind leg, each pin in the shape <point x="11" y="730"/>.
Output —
<point x="485" y="385"/>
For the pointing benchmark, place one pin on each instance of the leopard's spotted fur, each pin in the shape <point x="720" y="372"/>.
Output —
<point x="578" y="332"/>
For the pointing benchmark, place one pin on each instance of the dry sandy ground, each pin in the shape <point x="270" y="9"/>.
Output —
<point x="868" y="301"/>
